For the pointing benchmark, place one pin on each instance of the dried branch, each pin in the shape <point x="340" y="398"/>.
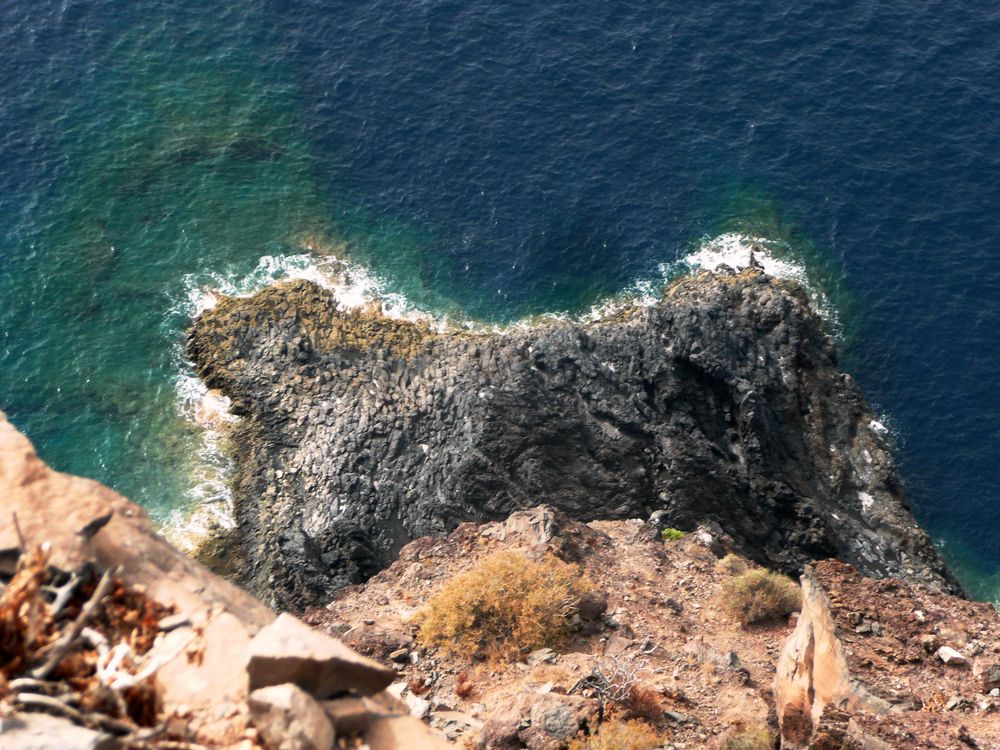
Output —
<point x="20" y="537"/>
<point x="63" y="594"/>
<point x="53" y="704"/>
<point x="69" y="639"/>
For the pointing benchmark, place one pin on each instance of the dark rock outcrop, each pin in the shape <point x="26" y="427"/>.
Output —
<point x="722" y="402"/>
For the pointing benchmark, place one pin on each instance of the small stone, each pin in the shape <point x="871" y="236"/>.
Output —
<point x="950" y="656"/>
<point x="173" y="622"/>
<point x="541" y="656"/>
<point x="288" y="718"/>
<point x="399" y="655"/>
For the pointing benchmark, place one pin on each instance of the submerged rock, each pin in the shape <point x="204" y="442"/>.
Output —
<point x="723" y="402"/>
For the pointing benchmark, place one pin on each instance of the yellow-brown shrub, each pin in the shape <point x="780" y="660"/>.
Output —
<point x="732" y="564"/>
<point x="750" y="738"/>
<point x="759" y="595"/>
<point x="504" y="606"/>
<point x="619" y="735"/>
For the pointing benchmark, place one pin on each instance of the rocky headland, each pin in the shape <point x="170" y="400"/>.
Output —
<point x="722" y="403"/>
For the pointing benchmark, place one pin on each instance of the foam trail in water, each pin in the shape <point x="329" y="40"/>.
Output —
<point x="736" y="250"/>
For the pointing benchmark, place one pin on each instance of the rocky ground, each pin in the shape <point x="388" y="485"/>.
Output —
<point x="110" y="639"/>
<point x="665" y="626"/>
<point x="361" y="432"/>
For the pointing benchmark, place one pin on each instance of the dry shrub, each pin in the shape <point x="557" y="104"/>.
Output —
<point x="643" y="703"/>
<point x="504" y="606"/>
<point x="750" y="738"/>
<point x="759" y="595"/>
<point x="732" y="565"/>
<point x="619" y="735"/>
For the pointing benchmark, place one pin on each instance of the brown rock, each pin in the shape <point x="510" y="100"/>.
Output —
<point x="538" y="722"/>
<point x="288" y="650"/>
<point x="290" y="719"/>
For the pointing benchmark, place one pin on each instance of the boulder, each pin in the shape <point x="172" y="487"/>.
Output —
<point x="288" y="650"/>
<point x="288" y="718"/>
<point x="538" y="722"/>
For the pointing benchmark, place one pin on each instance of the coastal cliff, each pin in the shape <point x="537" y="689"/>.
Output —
<point x="722" y="402"/>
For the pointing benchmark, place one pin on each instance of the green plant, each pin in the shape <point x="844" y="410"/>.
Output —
<point x="759" y="595"/>
<point x="750" y="738"/>
<point x="732" y="564"/>
<point x="619" y="735"/>
<point x="504" y="606"/>
<point x="672" y="535"/>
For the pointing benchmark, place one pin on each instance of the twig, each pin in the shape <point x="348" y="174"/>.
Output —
<point x="53" y="704"/>
<point x="63" y="594"/>
<point x="69" y="638"/>
<point x="32" y="685"/>
<point x="20" y="537"/>
<point x="118" y="726"/>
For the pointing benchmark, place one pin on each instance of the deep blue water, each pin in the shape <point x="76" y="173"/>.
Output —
<point x="498" y="160"/>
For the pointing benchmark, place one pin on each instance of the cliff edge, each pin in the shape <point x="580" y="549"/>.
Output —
<point x="723" y="401"/>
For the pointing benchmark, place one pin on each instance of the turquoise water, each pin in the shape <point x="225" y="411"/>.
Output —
<point x="492" y="162"/>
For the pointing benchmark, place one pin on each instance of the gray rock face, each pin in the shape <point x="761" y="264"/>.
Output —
<point x="722" y="403"/>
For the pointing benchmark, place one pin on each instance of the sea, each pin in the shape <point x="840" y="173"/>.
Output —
<point x="484" y="164"/>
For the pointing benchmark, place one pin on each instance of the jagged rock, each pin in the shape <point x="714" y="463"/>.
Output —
<point x="950" y="656"/>
<point x="812" y="680"/>
<point x="288" y="650"/>
<point x="722" y="402"/>
<point x="288" y="718"/>
<point x="31" y="731"/>
<point x="538" y="722"/>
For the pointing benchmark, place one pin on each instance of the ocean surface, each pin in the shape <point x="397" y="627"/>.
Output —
<point x="488" y="162"/>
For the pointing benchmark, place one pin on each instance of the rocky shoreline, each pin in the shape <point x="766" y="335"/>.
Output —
<point x="721" y="403"/>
